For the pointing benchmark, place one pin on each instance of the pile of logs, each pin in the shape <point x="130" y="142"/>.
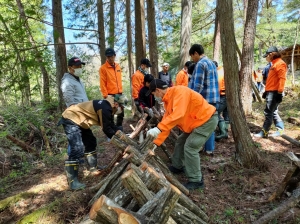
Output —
<point x="141" y="189"/>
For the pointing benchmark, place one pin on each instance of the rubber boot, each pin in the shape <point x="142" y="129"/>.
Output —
<point x="223" y="131"/>
<point x="91" y="158"/>
<point x="71" y="168"/>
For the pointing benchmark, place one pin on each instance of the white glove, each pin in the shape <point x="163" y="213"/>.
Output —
<point x="154" y="132"/>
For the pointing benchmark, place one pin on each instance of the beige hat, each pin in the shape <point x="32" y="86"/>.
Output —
<point x="165" y="64"/>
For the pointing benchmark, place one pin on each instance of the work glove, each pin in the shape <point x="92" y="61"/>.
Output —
<point x="264" y="95"/>
<point x="154" y="132"/>
<point x="278" y="97"/>
<point x="149" y="111"/>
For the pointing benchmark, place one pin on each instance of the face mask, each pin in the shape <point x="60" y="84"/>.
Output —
<point x="77" y="71"/>
<point x="119" y="110"/>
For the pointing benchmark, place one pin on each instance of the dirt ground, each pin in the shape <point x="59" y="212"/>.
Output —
<point x="232" y="194"/>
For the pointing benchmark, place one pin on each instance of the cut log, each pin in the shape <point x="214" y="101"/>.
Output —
<point x="23" y="145"/>
<point x="294" y="158"/>
<point x="118" y="142"/>
<point x="285" y="206"/>
<point x="106" y="211"/>
<point x="293" y="120"/>
<point x="122" y="136"/>
<point x="46" y="140"/>
<point x="255" y="90"/>
<point x="291" y="140"/>
<point x="133" y="158"/>
<point x="140" y="126"/>
<point x="165" y="150"/>
<point x="147" y="144"/>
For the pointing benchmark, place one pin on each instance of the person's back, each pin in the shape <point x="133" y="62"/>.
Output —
<point x="182" y="78"/>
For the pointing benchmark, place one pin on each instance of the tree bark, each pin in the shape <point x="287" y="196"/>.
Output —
<point x="217" y="40"/>
<point x="129" y="42"/>
<point x="247" y="56"/>
<point x="246" y="152"/>
<point x="139" y="127"/>
<point x="111" y="38"/>
<point x="140" y="37"/>
<point x="101" y="30"/>
<point x="186" y="30"/>
<point x="291" y="140"/>
<point x="59" y="47"/>
<point x="152" y="37"/>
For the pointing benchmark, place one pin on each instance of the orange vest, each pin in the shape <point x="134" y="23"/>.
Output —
<point x="110" y="79"/>
<point x="277" y="76"/>
<point x="137" y="83"/>
<point x="182" y="78"/>
<point x="184" y="108"/>
<point x="221" y="80"/>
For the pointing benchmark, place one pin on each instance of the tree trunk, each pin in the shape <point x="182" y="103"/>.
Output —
<point x="129" y="41"/>
<point x="247" y="62"/>
<point x="140" y="38"/>
<point x="246" y="152"/>
<point x="217" y="40"/>
<point x="101" y="31"/>
<point x="111" y="38"/>
<point x="46" y="88"/>
<point x="152" y="38"/>
<point x="59" y="48"/>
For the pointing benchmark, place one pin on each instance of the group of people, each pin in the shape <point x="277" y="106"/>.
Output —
<point x="196" y="104"/>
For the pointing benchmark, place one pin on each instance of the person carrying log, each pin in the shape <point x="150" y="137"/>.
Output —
<point x="77" y="120"/>
<point x="273" y="93"/>
<point x="189" y="111"/>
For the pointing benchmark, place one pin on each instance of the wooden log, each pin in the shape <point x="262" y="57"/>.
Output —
<point x="291" y="140"/>
<point x="174" y="134"/>
<point x="182" y="215"/>
<point x="123" y="198"/>
<point x="294" y="158"/>
<point x="118" y="156"/>
<point x="148" y="143"/>
<point x="165" y="206"/>
<point x="108" y="181"/>
<point x="118" y="142"/>
<point x="133" y="158"/>
<point x="255" y="90"/>
<point x="130" y="149"/>
<point x="136" y="187"/>
<point x="156" y="114"/>
<point x="165" y="150"/>
<point x="122" y="136"/>
<point x="285" y="206"/>
<point x="293" y="120"/>
<point x="105" y="211"/>
<point x="46" y="140"/>
<point x="139" y="127"/>
<point x="23" y="145"/>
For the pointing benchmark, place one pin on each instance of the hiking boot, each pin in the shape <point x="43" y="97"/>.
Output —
<point x="278" y="133"/>
<point x="175" y="170"/>
<point x="261" y="134"/>
<point x="194" y="185"/>
<point x="71" y="168"/>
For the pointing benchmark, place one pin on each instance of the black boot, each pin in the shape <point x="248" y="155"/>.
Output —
<point x="223" y="131"/>
<point x="71" y="168"/>
<point x="91" y="158"/>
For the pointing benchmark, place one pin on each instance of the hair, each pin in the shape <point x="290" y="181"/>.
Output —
<point x="196" y="48"/>
<point x="191" y="68"/>
<point x="275" y="55"/>
<point x="148" y="78"/>
<point x="188" y="63"/>
<point x="216" y="63"/>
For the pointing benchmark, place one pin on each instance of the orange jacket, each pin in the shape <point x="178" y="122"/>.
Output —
<point x="184" y="108"/>
<point x="110" y="79"/>
<point x="277" y="76"/>
<point x="182" y="78"/>
<point x="221" y="80"/>
<point x="137" y="80"/>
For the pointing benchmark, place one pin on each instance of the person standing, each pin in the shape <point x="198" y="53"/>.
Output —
<point x="111" y="79"/>
<point x="197" y="119"/>
<point x="77" y="120"/>
<point x="71" y="86"/>
<point x="205" y="81"/>
<point x="164" y="75"/>
<point x="138" y="79"/>
<point x="273" y="93"/>
<point x="182" y="78"/>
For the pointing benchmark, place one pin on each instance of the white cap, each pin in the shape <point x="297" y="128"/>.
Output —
<point x="165" y="64"/>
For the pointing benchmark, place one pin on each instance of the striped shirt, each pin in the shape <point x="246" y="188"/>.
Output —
<point x="205" y="80"/>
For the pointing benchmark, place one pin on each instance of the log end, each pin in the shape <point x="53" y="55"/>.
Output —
<point x="144" y="166"/>
<point x="95" y="207"/>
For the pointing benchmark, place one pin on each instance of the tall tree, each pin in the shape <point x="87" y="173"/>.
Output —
<point x="60" y="47"/>
<point x="186" y="30"/>
<point x="152" y="38"/>
<point x="111" y="37"/>
<point x="101" y="30"/>
<point x="217" y="40"/>
<point x="129" y="38"/>
<point x="247" y="59"/>
<point x="246" y="152"/>
<point x="140" y="36"/>
<point x="38" y="55"/>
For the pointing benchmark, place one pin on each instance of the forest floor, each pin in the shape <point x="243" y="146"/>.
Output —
<point x="232" y="194"/>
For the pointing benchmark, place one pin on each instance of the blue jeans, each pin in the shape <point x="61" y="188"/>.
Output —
<point x="271" y="112"/>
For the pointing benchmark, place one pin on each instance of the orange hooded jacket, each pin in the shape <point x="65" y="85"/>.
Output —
<point x="184" y="108"/>
<point x="182" y="78"/>
<point x="110" y="79"/>
<point x="137" y="83"/>
<point x="221" y="80"/>
<point x="277" y="76"/>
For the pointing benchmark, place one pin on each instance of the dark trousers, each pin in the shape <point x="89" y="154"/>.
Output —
<point x="120" y="118"/>
<point x="222" y="109"/>
<point x="80" y="140"/>
<point x="271" y="112"/>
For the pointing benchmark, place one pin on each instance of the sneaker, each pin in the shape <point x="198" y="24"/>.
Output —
<point x="261" y="134"/>
<point x="175" y="170"/>
<point x="278" y="133"/>
<point x="194" y="185"/>
<point x="209" y="153"/>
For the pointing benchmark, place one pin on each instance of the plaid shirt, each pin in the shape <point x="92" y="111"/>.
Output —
<point x="205" y="80"/>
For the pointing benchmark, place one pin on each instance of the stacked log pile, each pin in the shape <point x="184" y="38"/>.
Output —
<point x="141" y="189"/>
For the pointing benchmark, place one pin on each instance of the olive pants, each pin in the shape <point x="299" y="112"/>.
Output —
<point x="187" y="147"/>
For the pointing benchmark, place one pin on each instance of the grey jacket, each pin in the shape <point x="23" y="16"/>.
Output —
<point x="73" y="90"/>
